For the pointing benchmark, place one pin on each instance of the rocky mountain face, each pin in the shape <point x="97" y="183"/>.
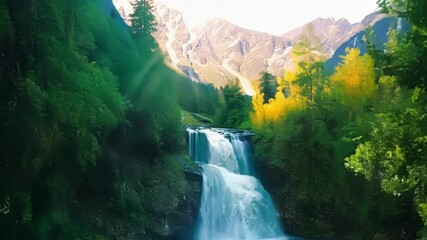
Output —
<point x="219" y="52"/>
<point x="369" y="21"/>
<point x="124" y="7"/>
<point x="331" y="33"/>
<point x="380" y="25"/>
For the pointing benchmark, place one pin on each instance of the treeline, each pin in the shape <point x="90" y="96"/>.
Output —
<point x="89" y="120"/>
<point x="345" y="153"/>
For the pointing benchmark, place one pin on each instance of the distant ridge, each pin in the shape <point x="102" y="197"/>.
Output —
<point x="219" y="51"/>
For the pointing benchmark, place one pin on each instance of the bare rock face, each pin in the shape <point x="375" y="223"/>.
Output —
<point x="233" y="52"/>
<point x="125" y="9"/>
<point x="172" y="34"/>
<point x="220" y="52"/>
<point x="217" y="52"/>
<point x="331" y="33"/>
<point x="368" y="21"/>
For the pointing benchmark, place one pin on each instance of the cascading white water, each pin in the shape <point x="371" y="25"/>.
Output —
<point x="243" y="152"/>
<point x="234" y="205"/>
<point x="221" y="151"/>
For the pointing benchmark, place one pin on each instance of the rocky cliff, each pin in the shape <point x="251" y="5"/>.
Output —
<point x="219" y="51"/>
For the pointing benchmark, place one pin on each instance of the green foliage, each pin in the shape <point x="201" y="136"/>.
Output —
<point x="423" y="212"/>
<point x="311" y="181"/>
<point x="268" y="85"/>
<point x="311" y="80"/>
<point x="307" y="52"/>
<point x="22" y="207"/>
<point x="196" y="97"/>
<point x="236" y="109"/>
<point x="414" y="10"/>
<point x="394" y="153"/>
<point x="313" y="159"/>
<point x="78" y="90"/>
<point x="6" y="27"/>
<point x="144" y="24"/>
<point x="409" y="51"/>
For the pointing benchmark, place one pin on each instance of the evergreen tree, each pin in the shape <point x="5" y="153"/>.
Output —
<point x="236" y="106"/>
<point x="144" y="25"/>
<point x="268" y="85"/>
<point x="307" y="52"/>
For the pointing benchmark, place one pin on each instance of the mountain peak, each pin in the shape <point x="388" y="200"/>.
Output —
<point x="219" y="20"/>
<point x="219" y="51"/>
<point x="329" y="31"/>
<point x="163" y="8"/>
<point x="369" y="20"/>
<point x="217" y="23"/>
<point x="167" y="13"/>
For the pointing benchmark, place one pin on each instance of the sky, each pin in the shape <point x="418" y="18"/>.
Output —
<point x="272" y="16"/>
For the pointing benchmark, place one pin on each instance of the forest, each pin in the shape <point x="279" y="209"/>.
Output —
<point x="92" y="124"/>
<point x="89" y="120"/>
<point x="345" y="152"/>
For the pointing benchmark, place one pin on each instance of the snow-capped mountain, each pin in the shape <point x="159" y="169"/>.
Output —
<point x="219" y="51"/>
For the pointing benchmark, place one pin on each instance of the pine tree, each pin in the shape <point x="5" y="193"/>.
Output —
<point x="308" y="54"/>
<point x="144" y="25"/>
<point x="268" y="85"/>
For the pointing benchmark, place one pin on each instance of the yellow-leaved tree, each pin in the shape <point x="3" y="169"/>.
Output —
<point x="287" y="99"/>
<point x="354" y="80"/>
<point x="258" y="115"/>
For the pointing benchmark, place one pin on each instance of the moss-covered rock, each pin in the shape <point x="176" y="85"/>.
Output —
<point x="156" y="199"/>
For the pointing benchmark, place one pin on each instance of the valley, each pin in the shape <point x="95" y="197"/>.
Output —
<point x="120" y="121"/>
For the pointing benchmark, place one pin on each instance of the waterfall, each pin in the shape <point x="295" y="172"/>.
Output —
<point x="234" y="205"/>
<point x="243" y="151"/>
<point x="399" y="25"/>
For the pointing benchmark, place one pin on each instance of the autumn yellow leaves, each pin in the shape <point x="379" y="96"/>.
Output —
<point x="279" y="106"/>
<point x="352" y="83"/>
